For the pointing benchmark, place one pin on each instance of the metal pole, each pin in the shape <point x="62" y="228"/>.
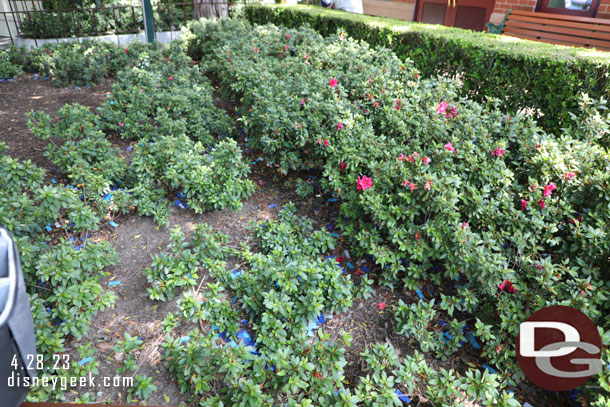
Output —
<point x="148" y="20"/>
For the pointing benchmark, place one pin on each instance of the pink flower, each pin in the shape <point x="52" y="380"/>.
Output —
<point x="449" y="147"/>
<point x="171" y="78"/>
<point x="230" y="59"/>
<point x="287" y="46"/>
<point x="49" y="52"/>
<point x="411" y="185"/>
<point x="287" y="36"/>
<point x="548" y="190"/>
<point x="126" y="50"/>
<point x="397" y="104"/>
<point x="452" y="112"/>
<point x="302" y="101"/>
<point x="569" y="176"/>
<point x="364" y="183"/>
<point x="381" y="305"/>
<point x="426" y="160"/>
<point x="507" y="286"/>
<point x="319" y="141"/>
<point x="464" y="225"/>
<point x="121" y="124"/>
<point x="428" y="185"/>
<point x="442" y="108"/>
<point x="339" y="126"/>
<point x="342" y="165"/>
<point x="402" y="157"/>
<point x="326" y="143"/>
<point x="333" y="82"/>
<point x="497" y="152"/>
<point x="541" y="203"/>
<point x="523" y="204"/>
<point x="539" y="266"/>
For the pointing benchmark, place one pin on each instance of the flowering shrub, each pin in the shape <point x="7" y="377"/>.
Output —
<point x="439" y="189"/>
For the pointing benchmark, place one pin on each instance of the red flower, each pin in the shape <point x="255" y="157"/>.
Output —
<point x="342" y="165"/>
<point x="497" y="152"/>
<point x="364" y="183"/>
<point x="333" y="82"/>
<point x="302" y="101"/>
<point x="340" y="259"/>
<point x="417" y="236"/>
<point x="507" y="286"/>
<point x="287" y="36"/>
<point x="428" y="185"/>
<point x="402" y="157"/>
<point x="464" y="225"/>
<point x="573" y="221"/>
<point x="126" y="50"/>
<point x="548" y="190"/>
<point x="326" y="142"/>
<point x="339" y="126"/>
<point x="381" y="305"/>
<point x="523" y="204"/>
<point x="171" y="78"/>
<point x="287" y="46"/>
<point x="541" y="204"/>
<point x="49" y="52"/>
<point x="449" y="147"/>
<point x="426" y="160"/>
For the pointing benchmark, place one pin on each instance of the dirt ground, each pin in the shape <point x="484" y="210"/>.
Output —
<point x="137" y="239"/>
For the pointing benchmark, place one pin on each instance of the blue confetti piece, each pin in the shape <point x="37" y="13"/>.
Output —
<point x="48" y="228"/>
<point x="310" y="327"/>
<point x="473" y="341"/>
<point x="419" y="293"/>
<point x="85" y="360"/>
<point x="129" y="148"/>
<point x="447" y="335"/>
<point x="71" y="238"/>
<point x="443" y="323"/>
<point x="330" y="226"/>
<point x="54" y="181"/>
<point x="272" y="206"/>
<point x="244" y="322"/>
<point x="111" y="102"/>
<point x="320" y="320"/>
<point x="332" y="200"/>
<point x="350" y="265"/>
<point x="184" y="339"/>
<point x="365" y="269"/>
<point x="180" y="195"/>
<point x="488" y="368"/>
<point x="114" y="282"/>
<point x="107" y="197"/>
<point x="236" y="273"/>
<point x="233" y="344"/>
<point x="78" y="247"/>
<point x="113" y="224"/>
<point x="334" y="234"/>
<point x="234" y="300"/>
<point x="402" y="397"/>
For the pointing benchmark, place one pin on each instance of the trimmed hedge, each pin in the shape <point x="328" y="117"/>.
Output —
<point x="521" y="73"/>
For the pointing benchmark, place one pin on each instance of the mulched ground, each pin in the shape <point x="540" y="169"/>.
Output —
<point x="138" y="239"/>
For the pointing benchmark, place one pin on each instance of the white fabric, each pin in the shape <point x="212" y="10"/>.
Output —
<point x="352" y="6"/>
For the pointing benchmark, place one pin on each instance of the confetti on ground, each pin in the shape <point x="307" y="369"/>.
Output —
<point x="118" y="282"/>
<point x="48" y="228"/>
<point x="403" y="397"/>
<point x="113" y="224"/>
<point x="381" y="305"/>
<point x="419" y="293"/>
<point x="184" y="339"/>
<point x="85" y="360"/>
<point x="488" y="368"/>
<point x="272" y="206"/>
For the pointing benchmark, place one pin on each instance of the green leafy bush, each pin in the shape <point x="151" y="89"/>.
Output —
<point x="437" y="188"/>
<point x="519" y="72"/>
